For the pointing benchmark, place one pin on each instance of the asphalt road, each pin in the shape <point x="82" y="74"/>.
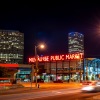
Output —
<point x="61" y="94"/>
<point x="73" y="96"/>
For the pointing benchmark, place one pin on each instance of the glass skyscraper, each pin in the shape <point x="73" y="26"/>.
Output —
<point x="11" y="46"/>
<point x="75" y="42"/>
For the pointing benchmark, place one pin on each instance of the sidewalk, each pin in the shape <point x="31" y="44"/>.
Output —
<point x="43" y="86"/>
<point x="71" y="84"/>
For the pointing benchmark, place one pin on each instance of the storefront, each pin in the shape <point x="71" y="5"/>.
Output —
<point x="61" y="67"/>
<point x="18" y="71"/>
<point x="70" y="67"/>
<point x="92" y="68"/>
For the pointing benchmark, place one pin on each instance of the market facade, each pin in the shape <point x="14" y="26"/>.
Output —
<point x="68" y="67"/>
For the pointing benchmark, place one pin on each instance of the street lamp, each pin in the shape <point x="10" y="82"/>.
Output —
<point x="36" y="70"/>
<point x="32" y="71"/>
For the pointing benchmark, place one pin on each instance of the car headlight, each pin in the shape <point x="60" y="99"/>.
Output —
<point x="88" y="88"/>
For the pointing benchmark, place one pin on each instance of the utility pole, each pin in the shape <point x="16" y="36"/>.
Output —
<point x="36" y="65"/>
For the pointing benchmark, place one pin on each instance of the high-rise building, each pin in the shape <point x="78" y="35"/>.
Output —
<point x="75" y="42"/>
<point x="11" y="46"/>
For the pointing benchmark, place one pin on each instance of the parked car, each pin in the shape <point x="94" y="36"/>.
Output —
<point x="39" y="81"/>
<point x="58" y="81"/>
<point x="83" y="83"/>
<point x="91" y="87"/>
<point x="26" y="80"/>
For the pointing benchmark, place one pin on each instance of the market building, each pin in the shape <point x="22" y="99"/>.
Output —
<point x="68" y="67"/>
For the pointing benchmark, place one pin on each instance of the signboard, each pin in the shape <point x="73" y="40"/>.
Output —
<point x="57" y="57"/>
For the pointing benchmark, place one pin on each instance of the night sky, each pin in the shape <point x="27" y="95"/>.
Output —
<point x="50" y="22"/>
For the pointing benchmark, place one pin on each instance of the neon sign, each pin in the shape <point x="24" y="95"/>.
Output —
<point x="57" y="57"/>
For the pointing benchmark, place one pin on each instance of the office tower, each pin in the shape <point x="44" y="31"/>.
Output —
<point x="75" y="42"/>
<point x="11" y="46"/>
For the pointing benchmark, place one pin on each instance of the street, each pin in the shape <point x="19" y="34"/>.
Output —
<point x="60" y="94"/>
<point x="73" y="96"/>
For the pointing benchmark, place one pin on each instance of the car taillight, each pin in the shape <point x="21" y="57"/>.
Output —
<point x="92" y="84"/>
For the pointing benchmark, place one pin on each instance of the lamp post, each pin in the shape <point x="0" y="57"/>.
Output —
<point x="36" y="70"/>
<point x="36" y="65"/>
<point x="32" y="71"/>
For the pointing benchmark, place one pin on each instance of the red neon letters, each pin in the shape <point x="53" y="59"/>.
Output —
<point x="57" y="57"/>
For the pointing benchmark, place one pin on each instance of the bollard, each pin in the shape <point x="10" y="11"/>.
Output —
<point x="38" y="85"/>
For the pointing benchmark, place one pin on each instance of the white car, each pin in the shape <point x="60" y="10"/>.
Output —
<point x="26" y="80"/>
<point x="95" y="87"/>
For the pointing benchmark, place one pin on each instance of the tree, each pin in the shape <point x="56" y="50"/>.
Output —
<point x="41" y="69"/>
